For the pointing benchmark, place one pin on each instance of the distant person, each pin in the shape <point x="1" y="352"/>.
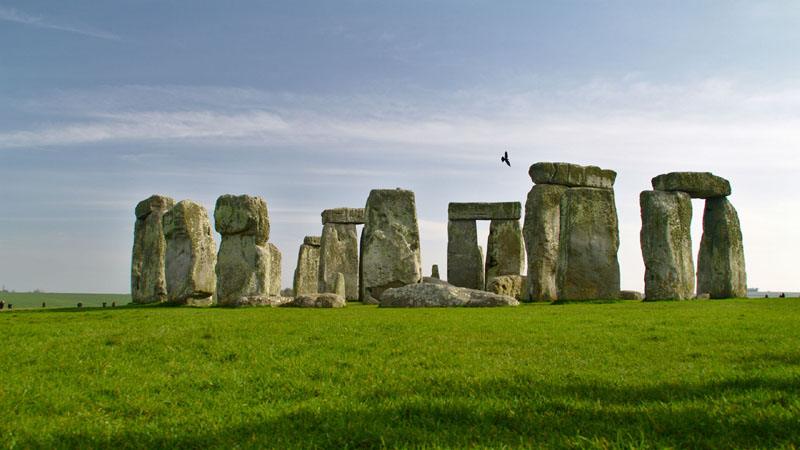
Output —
<point x="2" y="304"/>
<point x="44" y="305"/>
<point x="766" y="295"/>
<point x="783" y="295"/>
<point x="113" y="304"/>
<point x="105" y="304"/>
<point x="80" y="305"/>
<point x="10" y="305"/>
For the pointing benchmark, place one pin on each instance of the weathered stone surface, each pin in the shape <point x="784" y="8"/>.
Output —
<point x="339" y="254"/>
<point x="431" y="280"/>
<point x="244" y="259"/>
<point x="703" y="296"/>
<point x="696" y="184"/>
<point x="589" y="240"/>
<point x="630" y="295"/>
<point x="435" y="271"/>
<point x="191" y="254"/>
<point x="485" y="211"/>
<point x="720" y="263"/>
<point x="325" y="300"/>
<point x="541" y="231"/>
<point x="510" y="285"/>
<point x="424" y="295"/>
<point x="344" y="215"/>
<point x="464" y="258"/>
<point x="339" y="285"/>
<point x="572" y="175"/>
<point x="306" y="275"/>
<point x="148" y="282"/>
<point x="666" y="242"/>
<point x="505" y="251"/>
<point x="262" y="300"/>
<point x="242" y="214"/>
<point x="391" y="243"/>
<point x="274" y="270"/>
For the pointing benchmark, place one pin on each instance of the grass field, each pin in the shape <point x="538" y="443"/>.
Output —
<point x="35" y="300"/>
<point x="696" y="374"/>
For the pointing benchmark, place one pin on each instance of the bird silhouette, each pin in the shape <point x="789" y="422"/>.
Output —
<point x="504" y="159"/>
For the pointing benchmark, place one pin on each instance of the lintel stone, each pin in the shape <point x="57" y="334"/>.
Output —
<point x="344" y="215"/>
<point x="485" y="211"/>
<point x="572" y="175"/>
<point x="696" y="184"/>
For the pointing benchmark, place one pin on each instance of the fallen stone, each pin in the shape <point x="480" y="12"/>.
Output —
<point x="588" y="243"/>
<point x="630" y="295"/>
<point x="148" y="282"/>
<point x="425" y="295"/>
<point x="339" y="254"/>
<point x="191" y="255"/>
<point x="464" y="257"/>
<point x="274" y="270"/>
<point x="666" y="242"/>
<point x="510" y="285"/>
<point x="431" y="280"/>
<point x="355" y="216"/>
<point x="703" y="297"/>
<point x="505" y="251"/>
<point x="720" y="262"/>
<point x="485" y="211"/>
<point x="325" y="300"/>
<point x="262" y="300"/>
<point x="242" y="214"/>
<point x="391" y="243"/>
<point x="572" y="175"/>
<point x="306" y="275"/>
<point x="541" y="232"/>
<point x="696" y="184"/>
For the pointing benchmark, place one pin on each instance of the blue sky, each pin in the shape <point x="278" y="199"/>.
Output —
<point x="312" y="104"/>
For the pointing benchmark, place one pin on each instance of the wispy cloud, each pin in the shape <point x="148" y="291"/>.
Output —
<point x="12" y="15"/>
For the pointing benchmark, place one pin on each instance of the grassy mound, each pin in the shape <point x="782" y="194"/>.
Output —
<point x="674" y="374"/>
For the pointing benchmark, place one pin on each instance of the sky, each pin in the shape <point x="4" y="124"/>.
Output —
<point x="311" y="104"/>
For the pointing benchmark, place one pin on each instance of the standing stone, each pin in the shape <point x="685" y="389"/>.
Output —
<point x="339" y="285"/>
<point x="191" y="254"/>
<point x="666" y="240"/>
<point x="505" y="251"/>
<point x="306" y="275"/>
<point x="274" y="270"/>
<point x="243" y="263"/>
<point x="720" y="263"/>
<point x="435" y="271"/>
<point x="510" y="285"/>
<point x="464" y="258"/>
<point x="339" y="254"/>
<point x="148" y="282"/>
<point x="541" y="231"/>
<point x="391" y="243"/>
<point x="589" y="240"/>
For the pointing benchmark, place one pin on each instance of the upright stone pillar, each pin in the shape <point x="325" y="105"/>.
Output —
<point x="306" y="275"/>
<point x="391" y="243"/>
<point x="464" y="258"/>
<point x="274" y="270"/>
<point x="244" y="260"/>
<point x="541" y="232"/>
<point x="505" y="251"/>
<point x="191" y="255"/>
<point x="720" y="263"/>
<point x="148" y="282"/>
<point x="339" y="250"/>
<point x="666" y="241"/>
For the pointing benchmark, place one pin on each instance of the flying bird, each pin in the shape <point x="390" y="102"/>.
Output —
<point x="504" y="159"/>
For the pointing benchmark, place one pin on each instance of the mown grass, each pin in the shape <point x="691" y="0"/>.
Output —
<point x="56" y="300"/>
<point x="699" y="374"/>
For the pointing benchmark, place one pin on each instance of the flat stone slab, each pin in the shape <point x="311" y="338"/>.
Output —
<point x="696" y="184"/>
<point x="630" y="295"/>
<point x="344" y="215"/>
<point x="312" y="240"/>
<point x="261" y="300"/>
<point x="572" y="175"/>
<point x="485" y="211"/>
<point x="424" y="295"/>
<point x="317" y="301"/>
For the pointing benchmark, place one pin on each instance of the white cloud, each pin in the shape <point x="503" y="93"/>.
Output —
<point x="12" y="15"/>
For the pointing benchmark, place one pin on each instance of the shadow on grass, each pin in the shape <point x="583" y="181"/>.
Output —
<point x="508" y="412"/>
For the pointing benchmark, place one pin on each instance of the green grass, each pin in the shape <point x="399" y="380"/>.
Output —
<point x="698" y="374"/>
<point x="52" y="300"/>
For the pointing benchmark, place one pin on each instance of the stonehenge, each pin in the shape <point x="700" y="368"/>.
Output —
<point x="190" y="256"/>
<point x="666" y="240"/>
<point x="274" y="270"/>
<point x="306" y="275"/>
<point x="338" y="251"/>
<point x="571" y="233"/>
<point x="391" y="246"/>
<point x="505" y="247"/>
<point x="148" y="281"/>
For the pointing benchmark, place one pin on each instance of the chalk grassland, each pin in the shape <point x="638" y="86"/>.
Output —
<point x="697" y="374"/>
<point x="34" y="300"/>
